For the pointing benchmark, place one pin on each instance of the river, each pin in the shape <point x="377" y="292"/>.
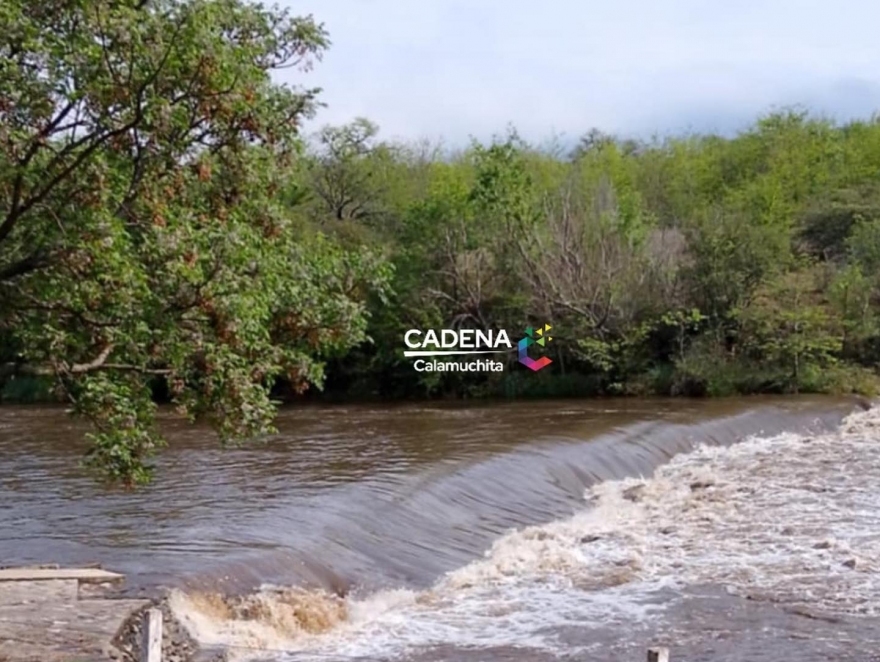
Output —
<point x="741" y="529"/>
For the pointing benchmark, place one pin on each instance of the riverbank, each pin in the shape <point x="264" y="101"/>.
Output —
<point x="718" y="382"/>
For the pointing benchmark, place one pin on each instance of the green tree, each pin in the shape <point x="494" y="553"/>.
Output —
<point x="345" y="170"/>
<point x="142" y="145"/>
<point x="788" y="326"/>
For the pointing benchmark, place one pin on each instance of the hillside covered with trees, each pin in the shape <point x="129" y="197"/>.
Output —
<point x="167" y="232"/>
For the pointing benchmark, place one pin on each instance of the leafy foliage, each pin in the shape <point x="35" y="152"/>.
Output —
<point x="699" y="265"/>
<point x="142" y="146"/>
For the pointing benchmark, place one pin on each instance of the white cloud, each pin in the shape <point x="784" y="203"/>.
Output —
<point x="455" y="68"/>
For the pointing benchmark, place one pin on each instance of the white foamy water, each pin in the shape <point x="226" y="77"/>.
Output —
<point x="790" y="519"/>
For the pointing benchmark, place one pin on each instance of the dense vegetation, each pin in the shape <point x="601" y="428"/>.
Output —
<point x="687" y="266"/>
<point x="166" y="231"/>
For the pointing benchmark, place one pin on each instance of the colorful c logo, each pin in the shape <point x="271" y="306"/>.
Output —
<point x="524" y="344"/>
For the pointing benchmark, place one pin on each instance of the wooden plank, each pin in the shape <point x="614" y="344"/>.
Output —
<point x="90" y="575"/>
<point x="151" y="642"/>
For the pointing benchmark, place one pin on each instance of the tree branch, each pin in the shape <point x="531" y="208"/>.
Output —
<point x="22" y="267"/>
<point x="98" y="363"/>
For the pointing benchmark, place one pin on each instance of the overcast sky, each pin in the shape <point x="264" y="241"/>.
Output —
<point x="454" y="69"/>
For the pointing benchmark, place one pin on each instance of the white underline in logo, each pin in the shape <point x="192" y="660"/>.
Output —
<point x="454" y="352"/>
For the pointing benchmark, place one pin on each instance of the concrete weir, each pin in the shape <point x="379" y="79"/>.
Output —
<point x="56" y="614"/>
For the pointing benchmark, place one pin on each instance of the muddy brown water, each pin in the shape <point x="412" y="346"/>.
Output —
<point x="361" y="500"/>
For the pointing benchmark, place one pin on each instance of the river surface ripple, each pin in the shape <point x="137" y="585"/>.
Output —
<point x="744" y="529"/>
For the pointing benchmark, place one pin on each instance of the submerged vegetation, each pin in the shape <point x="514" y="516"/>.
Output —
<point x="166" y="231"/>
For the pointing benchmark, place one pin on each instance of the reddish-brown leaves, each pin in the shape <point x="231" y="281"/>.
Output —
<point x="204" y="171"/>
